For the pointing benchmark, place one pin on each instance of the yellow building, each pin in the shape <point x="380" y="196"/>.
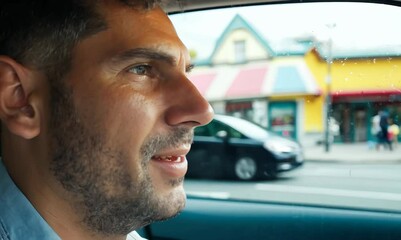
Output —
<point x="362" y="84"/>
<point x="285" y="91"/>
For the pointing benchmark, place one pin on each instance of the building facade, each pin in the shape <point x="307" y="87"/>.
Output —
<point x="285" y="91"/>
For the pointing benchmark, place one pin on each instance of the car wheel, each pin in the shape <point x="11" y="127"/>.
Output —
<point x="245" y="168"/>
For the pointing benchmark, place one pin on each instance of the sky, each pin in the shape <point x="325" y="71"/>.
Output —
<point x="350" y="25"/>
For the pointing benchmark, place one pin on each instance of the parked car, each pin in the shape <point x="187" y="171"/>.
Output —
<point x="237" y="148"/>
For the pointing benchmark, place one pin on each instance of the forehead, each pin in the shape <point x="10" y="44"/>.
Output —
<point x="130" y="28"/>
<point x="120" y="15"/>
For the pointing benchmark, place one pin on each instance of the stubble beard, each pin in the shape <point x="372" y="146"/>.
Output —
<point x="102" y="190"/>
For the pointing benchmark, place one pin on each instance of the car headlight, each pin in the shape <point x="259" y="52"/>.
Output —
<point x="277" y="147"/>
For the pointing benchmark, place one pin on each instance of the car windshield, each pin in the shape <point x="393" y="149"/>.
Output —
<point x="326" y="75"/>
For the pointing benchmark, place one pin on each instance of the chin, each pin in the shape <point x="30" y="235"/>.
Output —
<point x="176" y="202"/>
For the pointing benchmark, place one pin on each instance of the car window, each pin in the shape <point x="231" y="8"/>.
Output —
<point x="322" y="80"/>
<point x="244" y="127"/>
<point x="217" y="127"/>
<point x="202" y="131"/>
<point x="214" y="128"/>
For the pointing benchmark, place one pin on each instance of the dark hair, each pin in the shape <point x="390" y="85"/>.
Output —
<point x="42" y="33"/>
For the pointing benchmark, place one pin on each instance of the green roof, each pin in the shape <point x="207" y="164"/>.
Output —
<point x="296" y="48"/>
<point x="239" y="23"/>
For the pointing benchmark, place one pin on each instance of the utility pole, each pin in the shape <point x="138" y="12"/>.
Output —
<point x="328" y="88"/>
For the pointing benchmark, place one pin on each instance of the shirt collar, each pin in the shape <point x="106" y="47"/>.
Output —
<point x="18" y="218"/>
<point x="134" y="236"/>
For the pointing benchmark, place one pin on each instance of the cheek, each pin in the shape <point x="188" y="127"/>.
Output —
<point x="131" y="122"/>
<point x="124" y="118"/>
<point x="128" y="123"/>
<point x="123" y="115"/>
<point x="160" y="183"/>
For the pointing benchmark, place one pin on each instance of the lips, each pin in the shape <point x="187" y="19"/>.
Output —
<point x="175" y="159"/>
<point x="172" y="164"/>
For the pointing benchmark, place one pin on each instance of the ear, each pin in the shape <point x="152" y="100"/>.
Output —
<point x="17" y="112"/>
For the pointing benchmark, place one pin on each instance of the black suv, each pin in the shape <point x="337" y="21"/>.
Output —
<point x="237" y="148"/>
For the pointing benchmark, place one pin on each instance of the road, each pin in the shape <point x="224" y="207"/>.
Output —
<point x="373" y="186"/>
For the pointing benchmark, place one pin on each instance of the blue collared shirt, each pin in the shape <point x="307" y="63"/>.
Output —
<point x="18" y="218"/>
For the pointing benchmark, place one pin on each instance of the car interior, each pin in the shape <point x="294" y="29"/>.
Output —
<point x="208" y="216"/>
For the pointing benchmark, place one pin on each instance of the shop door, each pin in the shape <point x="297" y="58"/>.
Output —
<point x="282" y="118"/>
<point x="360" y="132"/>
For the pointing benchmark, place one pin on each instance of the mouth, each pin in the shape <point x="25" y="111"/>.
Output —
<point x="173" y="159"/>
<point x="172" y="163"/>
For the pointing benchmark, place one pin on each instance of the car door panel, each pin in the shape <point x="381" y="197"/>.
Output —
<point x="222" y="219"/>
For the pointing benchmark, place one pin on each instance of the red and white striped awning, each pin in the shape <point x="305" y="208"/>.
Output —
<point x="255" y="80"/>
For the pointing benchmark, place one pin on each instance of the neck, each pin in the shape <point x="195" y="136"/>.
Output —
<point x="32" y="176"/>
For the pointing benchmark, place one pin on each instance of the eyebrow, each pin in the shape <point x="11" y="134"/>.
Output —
<point x="150" y="54"/>
<point x="144" y="53"/>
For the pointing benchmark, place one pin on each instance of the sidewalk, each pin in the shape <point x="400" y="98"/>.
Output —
<point x="353" y="153"/>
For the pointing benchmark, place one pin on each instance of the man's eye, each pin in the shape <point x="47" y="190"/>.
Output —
<point x="141" y="69"/>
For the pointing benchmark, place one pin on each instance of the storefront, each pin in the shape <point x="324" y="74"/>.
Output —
<point x="355" y="111"/>
<point x="362" y="84"/>
<point x="267" y="93"/>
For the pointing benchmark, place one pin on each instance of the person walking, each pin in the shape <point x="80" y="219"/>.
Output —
<point x="393" y="132"/>
<point x="384" y="129"/>
<point x="376" y="130"/>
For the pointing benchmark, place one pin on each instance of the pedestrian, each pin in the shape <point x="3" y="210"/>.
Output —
<point x="384" y="129"/>
<point x="376" y="130"/>
<point x="97" y="114"/>
<point x="393" y="131"/>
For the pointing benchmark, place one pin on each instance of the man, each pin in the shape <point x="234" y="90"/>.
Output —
<point x="97" y="116"/>
<point x="384" y="129"/>
<point x="376" y="130"/>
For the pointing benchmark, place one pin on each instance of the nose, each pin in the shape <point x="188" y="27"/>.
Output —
<point x="188" y="107"/>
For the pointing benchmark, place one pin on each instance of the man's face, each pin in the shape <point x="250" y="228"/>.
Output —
<point x="122" y="122"/>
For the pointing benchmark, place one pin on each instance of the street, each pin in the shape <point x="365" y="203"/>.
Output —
<point x="356" y="185"/>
